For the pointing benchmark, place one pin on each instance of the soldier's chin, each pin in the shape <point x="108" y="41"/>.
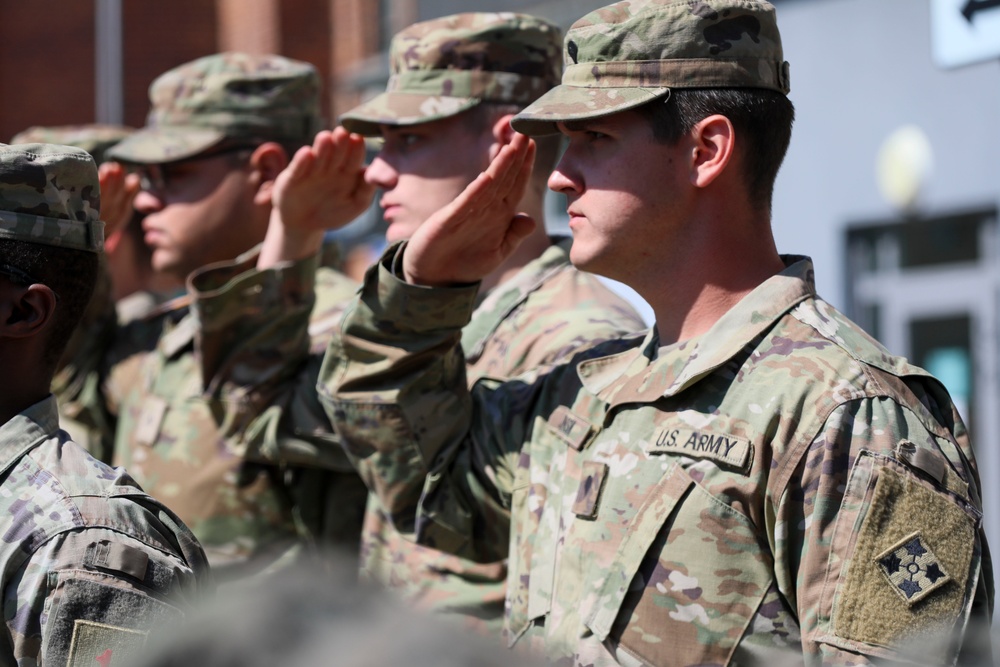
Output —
<point x="399" y="231"/>
<point x="166" y="262"/>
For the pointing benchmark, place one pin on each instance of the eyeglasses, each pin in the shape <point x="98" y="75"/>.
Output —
<point x="157" y="177"/>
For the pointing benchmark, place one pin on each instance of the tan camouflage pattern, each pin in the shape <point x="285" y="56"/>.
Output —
<point x="83" y="548"/>
<point x="543" y="314"/>
<point x="50" y="194"/>
<point x="94" y="138"/>
<point x="708" y="502"/>
<point x="173" y="392"/>
<point x="629" y="53"/>
<point x="447" y="65"/>
<point x="229" y="97"/>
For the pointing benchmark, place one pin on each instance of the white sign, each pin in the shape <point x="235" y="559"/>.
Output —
<point x="965" y="31"/>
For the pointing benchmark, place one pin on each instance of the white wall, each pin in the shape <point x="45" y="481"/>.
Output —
<point x="859" y="70"/>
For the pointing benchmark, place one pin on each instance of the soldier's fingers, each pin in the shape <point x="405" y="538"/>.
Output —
<point x="356" y="154"/>
<point x="132" y="184"/>
<point x="363" y="191"/>
<point x="341" y="141"/>
<point x="301" y="165"/>
<point x="109" y="173"/>
<point x="523" y="174"/>
<point x="323" y="148"/>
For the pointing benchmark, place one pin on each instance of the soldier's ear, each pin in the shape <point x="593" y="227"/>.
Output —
<point x="266" y="163"/>
<point x="26" y="311"/>
<point x="713" y="143"/>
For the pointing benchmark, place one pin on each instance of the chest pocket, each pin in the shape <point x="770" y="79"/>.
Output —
<point x="685" y="581"/>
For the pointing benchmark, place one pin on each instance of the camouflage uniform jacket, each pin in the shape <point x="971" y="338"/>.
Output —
<point x="90" y="563"/>
<point x="778" y="488"/>
<point x="544" y="313"/>
<point x="175" y="393"/>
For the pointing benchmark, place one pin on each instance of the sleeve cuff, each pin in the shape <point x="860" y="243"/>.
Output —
<point x="421" y="308"/>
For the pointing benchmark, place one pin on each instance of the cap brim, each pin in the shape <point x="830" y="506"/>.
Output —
<point x="153" y="145"/>
<point x="403" y="109"/>
<point x="569" y="103"/>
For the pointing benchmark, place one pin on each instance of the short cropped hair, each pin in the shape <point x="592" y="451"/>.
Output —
<point x="762" y="120"/>
<point x="71" y="274"/>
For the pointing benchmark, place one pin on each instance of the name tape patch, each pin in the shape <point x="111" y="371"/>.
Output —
<point x="701" y="444"/>
<point x="570" y="427"/>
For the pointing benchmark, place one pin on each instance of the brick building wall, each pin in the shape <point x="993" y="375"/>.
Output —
<point x="48" y="49"/>
<point x="46" y="63"/>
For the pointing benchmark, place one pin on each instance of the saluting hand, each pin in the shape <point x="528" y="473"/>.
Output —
<point x="473" y="235"/>
<point x="118" y="189"/>
<point x="322" y="188"/>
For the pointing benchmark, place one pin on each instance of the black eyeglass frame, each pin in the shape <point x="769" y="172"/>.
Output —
<point x="160" y="182"/>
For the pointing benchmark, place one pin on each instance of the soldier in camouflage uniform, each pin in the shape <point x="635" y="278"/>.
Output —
<point x="754" y="481"/>
<point x="173" y="400"/>
<point x="457" y="81"/>
<point x="90" y="563"/>
<point x="134" y="287"/>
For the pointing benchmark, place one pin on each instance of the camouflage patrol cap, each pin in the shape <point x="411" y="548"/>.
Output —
<point x="50" y="194"/>
<point x="626" y="54"/>
<point x="225" y="97"/>
<point x="96" y="138"/>
<point x="442" y="67"/>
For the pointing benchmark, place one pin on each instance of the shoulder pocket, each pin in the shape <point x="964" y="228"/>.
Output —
<point x="901" y="574"/>
<point x="88" y="621"/>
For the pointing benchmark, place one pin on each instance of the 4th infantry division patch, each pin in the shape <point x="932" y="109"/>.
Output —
<point x="912" y="568"/>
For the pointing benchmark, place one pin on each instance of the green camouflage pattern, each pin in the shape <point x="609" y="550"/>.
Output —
<point x="707" y="502"/>
<point x="226" y="97"/>
<point x="546" y="312"/>
<point x="175" y="395"/>
<point x="444" y="66"/>
<point x="629" y="53"/>
<point x="51" y="195"/>
<point x="83" y="548"/>
<point x="95" y="138"/>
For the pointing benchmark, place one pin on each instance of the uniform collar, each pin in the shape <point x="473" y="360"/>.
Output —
<point x="503" y="299"/>
<point x="24" y="431"/>
<point x="647" y="374"/>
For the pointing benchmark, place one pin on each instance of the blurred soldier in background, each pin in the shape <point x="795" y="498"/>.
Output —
<point x="456" y="83"/>
<point x="91" y="564"/>
<point x="135" y="288"/>
<point x="220" y="130"/>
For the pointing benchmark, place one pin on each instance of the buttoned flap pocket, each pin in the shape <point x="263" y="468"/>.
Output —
<point x="523" y="523"/>
<point x="901" y="574"/>
<point x="685" y="580"/>
<point x="536" y="516"/>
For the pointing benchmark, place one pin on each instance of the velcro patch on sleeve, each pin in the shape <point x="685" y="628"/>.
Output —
<point x="906" y="582"/>
<point x="104" y="645"/>
<point x="702" y="444"/>
<point x="90" y="621"/>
